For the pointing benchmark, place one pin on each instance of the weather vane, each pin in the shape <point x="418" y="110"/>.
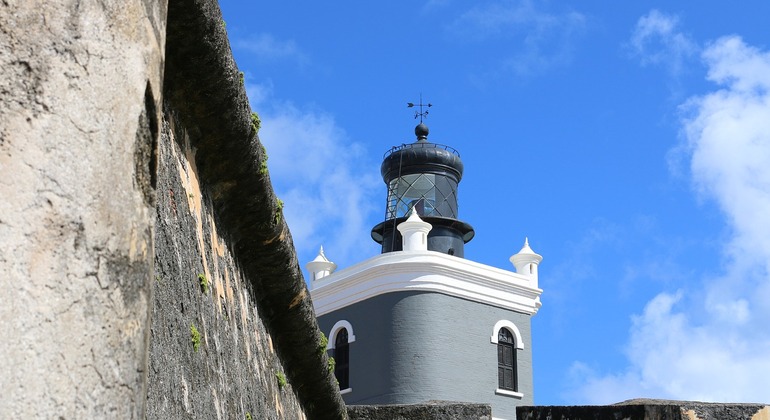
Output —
<point x="422" y="114"/>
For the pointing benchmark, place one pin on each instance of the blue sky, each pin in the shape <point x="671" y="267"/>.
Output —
<point x="630" y="141"/>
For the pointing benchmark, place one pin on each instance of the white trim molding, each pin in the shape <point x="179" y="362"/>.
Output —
<point x="508" y="393"/>
<point x="510" y="326"/>
<point x="335" y="329"/>
<point x="346" y="391"/>
<point x="425" y="271"/>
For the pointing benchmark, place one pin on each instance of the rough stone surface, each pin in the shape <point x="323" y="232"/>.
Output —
<point x="205" y="91"/>
<point x="80" y="99"/>
<point x="438" y="410"/>
<point x="80" y="87"/>
<point x="198" y="283"/>
<point x="645" y="409"/>
<point x="692" y="410"/>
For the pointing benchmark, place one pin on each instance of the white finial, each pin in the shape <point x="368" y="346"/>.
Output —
<point x="526" y="249"/>
<point x="320" y="267"/>
<point x="526" y="262"/>
<point x="413" y="215"/>
<point x="414" y="232"/>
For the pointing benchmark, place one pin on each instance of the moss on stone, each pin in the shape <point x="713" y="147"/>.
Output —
<point x="281" y="379"/>
<point x="195" y="337"/>
<point x="204" y="283"/>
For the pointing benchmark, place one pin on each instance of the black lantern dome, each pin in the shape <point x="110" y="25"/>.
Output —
<point x="425" y="176"/>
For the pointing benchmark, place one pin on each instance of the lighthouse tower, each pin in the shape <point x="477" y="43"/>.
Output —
<point x="419" y="322"/>
<point x="423" y="176"/>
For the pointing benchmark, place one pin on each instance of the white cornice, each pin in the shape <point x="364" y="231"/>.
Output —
<point x="425" y="271"/>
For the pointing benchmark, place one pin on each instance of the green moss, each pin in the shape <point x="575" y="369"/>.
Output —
<point x="281" y="379"/>
<point x="248" y="416"/>
<point x="204" y="282"/>
<point x="195" y="337"/>
<point x="332" y="364"/>
<point x="240" y="77"/>
<point x="263" y="164"/>
<point x="256" y="124"/>
<point x="263" y="167"/>
<point x="324" y="342"/>
<point x="278" y="211"/>
<point x="224" y="24"/>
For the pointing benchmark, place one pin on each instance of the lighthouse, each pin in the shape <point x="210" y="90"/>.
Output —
<point x="423" y="176"/>
<point x="419" y="322"/>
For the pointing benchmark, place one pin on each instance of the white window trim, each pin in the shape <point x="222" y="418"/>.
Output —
<point x="333" y="339"/>
<point x="509" y="393"/>
<point x="504" y="323"/>
<point x="336" y="328"/>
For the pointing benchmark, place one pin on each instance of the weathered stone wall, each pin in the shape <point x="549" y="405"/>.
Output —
<point x="204" y="89"/>
<point x="231" y="370"/>
<point x="438" y="410"/>
<point x="82" y="85"/>
<point x="644" y="409"/>
<point x="80" y="92"/>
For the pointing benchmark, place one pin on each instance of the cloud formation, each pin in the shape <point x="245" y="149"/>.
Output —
<point x="658" y="41"/>
<point x="539" y="39"/>
<point x="325" y="180"/>
<point x="264" y="47"/>
<point x="712" y="342"/>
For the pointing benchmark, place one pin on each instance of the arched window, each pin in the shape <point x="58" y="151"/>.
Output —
<point x="506" y="361"/>
<point x="342" y="358"/>
<point x="507" y="338"/>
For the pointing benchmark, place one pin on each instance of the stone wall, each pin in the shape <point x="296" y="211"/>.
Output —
<point x="204" y="91"/>
<point x="85" y="91"/>
<point x="231" y="369"/>
<point x="80" y="95"/>
<point x="432" y="410"/>
<point x="645" y="409"/>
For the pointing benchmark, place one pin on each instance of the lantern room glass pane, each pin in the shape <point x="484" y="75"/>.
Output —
<point x="432" y="195"/>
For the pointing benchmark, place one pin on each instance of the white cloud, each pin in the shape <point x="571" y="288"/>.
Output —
<point x="712" y="343"/>
<point x="328" y="186"/>
<point x="258" y="93"/>
<point x="539" y="39"/>
<point x="266" y="48"/>
<point x="658" y="41"/>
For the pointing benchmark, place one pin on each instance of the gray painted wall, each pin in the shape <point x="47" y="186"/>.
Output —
<point x="413" y="347"/>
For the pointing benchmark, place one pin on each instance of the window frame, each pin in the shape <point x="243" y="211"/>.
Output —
<point x="507" y="372"/>
<point x="332" y="342"/>
<point x="342" y="359"/>
<point x="517" y="345"/>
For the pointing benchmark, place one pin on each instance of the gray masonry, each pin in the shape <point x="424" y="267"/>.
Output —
<point x="412" y="347"/>
<point x="649" y="409"/>
<point x="98" y="302"/>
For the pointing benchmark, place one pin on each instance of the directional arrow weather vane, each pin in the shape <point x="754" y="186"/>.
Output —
<point x="422" y="114"/>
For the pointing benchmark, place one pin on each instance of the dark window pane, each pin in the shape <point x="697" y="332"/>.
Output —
<point x="505" y="336"/>
<point x="506" y="361"/>
<point x="507" y="356"/>
<point x="342" y="359"/>
<point x="508" y="378"/>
